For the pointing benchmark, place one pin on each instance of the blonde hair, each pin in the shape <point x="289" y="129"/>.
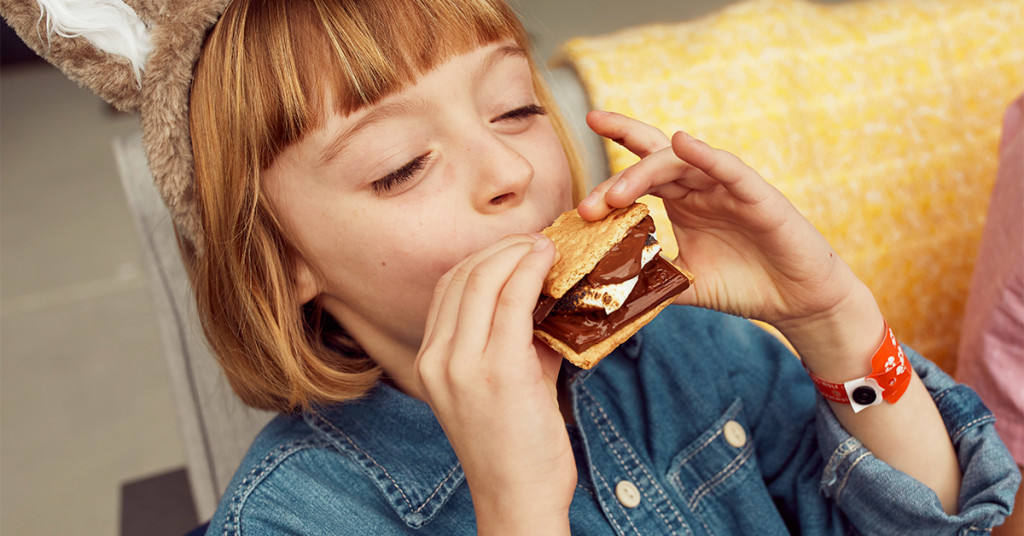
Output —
<point x="260" y="85"/>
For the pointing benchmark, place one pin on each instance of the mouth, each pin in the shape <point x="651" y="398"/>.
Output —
<point x="535" y="226"/>
<point x="546" y="221"/>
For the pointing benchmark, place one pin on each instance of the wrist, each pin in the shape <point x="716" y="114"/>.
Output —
<point x="512" y="507"/>
<point x="506" y="516"/>
<point x="838" y="344"/>
<point x="523" y="526"/>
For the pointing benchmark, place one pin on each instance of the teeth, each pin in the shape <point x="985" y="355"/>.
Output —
<point x="608" y="297"/>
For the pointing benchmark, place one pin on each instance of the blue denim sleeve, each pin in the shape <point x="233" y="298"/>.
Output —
<point x="878" y="499"/>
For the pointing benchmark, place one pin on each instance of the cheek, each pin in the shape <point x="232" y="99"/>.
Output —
<point x="380" y="280"/>
<point x="394" y="291"/>
<point x="429" y="249"/>
<point x="399" y="264"/>
<point x="551" y="163"/>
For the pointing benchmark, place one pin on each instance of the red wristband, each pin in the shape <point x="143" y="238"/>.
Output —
<point x="889" y="378"/>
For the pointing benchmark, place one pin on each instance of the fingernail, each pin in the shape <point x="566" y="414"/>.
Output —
<point x="618" y="187"/>
<point x="541" y="242"/>
<point x="589" y="201"/>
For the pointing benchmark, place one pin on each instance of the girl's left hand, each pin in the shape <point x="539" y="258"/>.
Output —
<point x="753" y="254"/>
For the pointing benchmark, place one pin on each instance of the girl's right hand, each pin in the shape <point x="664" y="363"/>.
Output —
<point x="492" y="387"/>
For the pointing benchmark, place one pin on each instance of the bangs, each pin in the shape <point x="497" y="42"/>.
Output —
<point x="341" y="55"/>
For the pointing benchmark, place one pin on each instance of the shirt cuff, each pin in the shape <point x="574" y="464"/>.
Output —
<point x="878" y="499"/>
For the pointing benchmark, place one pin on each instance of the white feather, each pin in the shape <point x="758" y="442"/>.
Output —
<point x="111" y="25"/>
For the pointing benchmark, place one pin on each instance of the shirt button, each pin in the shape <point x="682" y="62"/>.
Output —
<point x="734" y="434"/>
<point x="627" y="494"/>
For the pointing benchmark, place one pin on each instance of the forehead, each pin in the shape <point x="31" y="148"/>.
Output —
<point x="309" y="59"/>
<point x="337" y="131"/>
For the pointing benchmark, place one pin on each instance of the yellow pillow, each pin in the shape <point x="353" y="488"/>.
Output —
<point x="879" y="119"/>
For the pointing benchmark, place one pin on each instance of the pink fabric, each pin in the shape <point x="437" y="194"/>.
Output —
<point x="991" y="353"/>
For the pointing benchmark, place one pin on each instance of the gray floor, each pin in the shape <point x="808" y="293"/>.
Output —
<point x="84" y="401"/>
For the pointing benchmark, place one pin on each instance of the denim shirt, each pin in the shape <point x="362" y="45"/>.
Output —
<point x="701" y="424"/>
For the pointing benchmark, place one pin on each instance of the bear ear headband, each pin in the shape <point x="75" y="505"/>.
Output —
<point x="139" y="56"/>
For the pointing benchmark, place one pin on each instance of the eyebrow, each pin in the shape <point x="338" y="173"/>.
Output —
<point x="404" y="105"/>
<point x="378" y="114"/>
<point x="502" y="52"/>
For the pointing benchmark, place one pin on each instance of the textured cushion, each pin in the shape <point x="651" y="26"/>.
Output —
<point x="879" y="119"/>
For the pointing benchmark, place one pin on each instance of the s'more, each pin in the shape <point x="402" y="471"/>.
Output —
<point x="609" y="281"/>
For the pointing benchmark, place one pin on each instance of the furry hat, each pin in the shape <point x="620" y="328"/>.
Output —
<point x="139" y="56"/>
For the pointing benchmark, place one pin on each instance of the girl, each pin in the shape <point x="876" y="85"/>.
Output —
<point x="371" y="177"/>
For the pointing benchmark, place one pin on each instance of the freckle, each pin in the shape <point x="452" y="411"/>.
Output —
<point x="383" y="264"/>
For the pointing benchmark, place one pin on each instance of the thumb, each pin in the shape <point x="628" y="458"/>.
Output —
<point x="550" y="362"/>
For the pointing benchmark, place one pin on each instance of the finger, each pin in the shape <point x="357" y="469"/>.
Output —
<point x="661" y="173"/>
<point x="550" y="364"/>
<point x="594" y="207"/>
<point x="447" y="298"/>
<point x="740" y="179"/>
<point x="512" y="324"/>
<point x="636" y="136"/>
<point x="671" y="190"/>
<point x="446" y="339"/>
<point x="481" y="299"/>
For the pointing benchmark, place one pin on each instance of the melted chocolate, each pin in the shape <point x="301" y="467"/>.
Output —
<point x="622" y="262"/>
<point x="581" y="330"/>
<point x="544" y="306"/>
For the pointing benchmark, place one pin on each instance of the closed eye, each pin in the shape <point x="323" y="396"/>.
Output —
<point x="396" y="178"/>
<point x="521" y="113"/>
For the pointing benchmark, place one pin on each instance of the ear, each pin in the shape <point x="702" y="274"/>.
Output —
<point x="305" y="283"/>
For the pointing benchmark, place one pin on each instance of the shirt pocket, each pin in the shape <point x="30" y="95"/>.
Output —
<point x="708" y="471"/>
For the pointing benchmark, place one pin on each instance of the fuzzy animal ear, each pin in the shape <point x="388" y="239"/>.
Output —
<point x="110" y="25"/>
<point x="138" y="55"/>
<point x="100" y="44"/>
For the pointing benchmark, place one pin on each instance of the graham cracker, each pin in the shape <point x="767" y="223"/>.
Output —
<point x="582" y="244"/>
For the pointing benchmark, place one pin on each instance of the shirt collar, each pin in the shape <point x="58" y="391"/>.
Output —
<point x="399" y="444"/>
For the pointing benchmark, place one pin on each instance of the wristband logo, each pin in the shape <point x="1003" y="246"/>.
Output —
<point x="863" y="393"/>
<point x="890" y="368"/>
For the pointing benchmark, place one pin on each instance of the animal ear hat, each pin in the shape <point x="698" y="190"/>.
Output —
<point x="139" y="56"/>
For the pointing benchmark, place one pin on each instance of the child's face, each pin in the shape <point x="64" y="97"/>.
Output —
<point x="386" y="200"/>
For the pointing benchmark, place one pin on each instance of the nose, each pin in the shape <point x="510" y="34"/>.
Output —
<point x="501" y="173"/>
